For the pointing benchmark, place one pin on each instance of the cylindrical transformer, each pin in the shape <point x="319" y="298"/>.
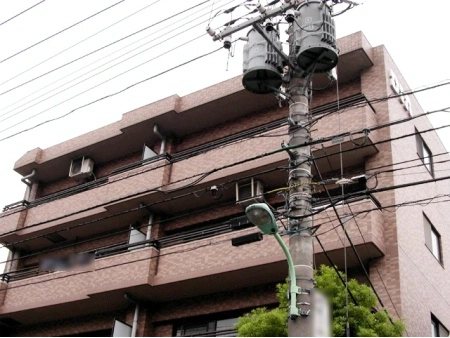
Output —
<point x="315" y="37"/>
<point x="262" y="65"/>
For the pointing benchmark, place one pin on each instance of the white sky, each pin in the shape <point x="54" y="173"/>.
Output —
<point x="415" y="33"/>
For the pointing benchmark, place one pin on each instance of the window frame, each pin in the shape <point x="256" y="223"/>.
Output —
<point x="437" y="327"/>
<point x="433" y="237"/>
<point x="424" y="153"/>
<point x="210" y="326"/>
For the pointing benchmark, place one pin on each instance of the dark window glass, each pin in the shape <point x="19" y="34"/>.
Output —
<point x="424" y="153"/>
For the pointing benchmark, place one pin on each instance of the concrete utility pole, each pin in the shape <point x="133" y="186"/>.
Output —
<point x="312" y="50"/>
<point x="300" y="221"/>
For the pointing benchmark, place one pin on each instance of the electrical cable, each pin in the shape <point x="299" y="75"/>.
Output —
<point x="105" y="46"/>
<point x="246" y="160"/>
<point x="104" y="64"/>
<point x="351" y="244"/>
<point x="335" y="269"/>
<point x="61" y="31"/>
<point x="377" y="100"/>
<point x="25" y="10"/>
<point x="70" y="245"/>
<point x="119" y="264"/>
<point x="201" y="175"/>
<point x="103" y="82"/>
<point x="410" y="203"/>
<point x="259" y="156"/>
<point x="424" y="276"/>
<point x="185" y="30"/>
<point x="371" y="258"/>
<point x="79" y="42"/>
<point x="113" y="94"/>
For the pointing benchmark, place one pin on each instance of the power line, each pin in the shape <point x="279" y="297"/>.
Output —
<point x="185" y="30"/>
<point x="100" y="59"/>
<point x="333" y="203"/>
<point x="103" y="47"/>
<point x="79" y="42"/>
<point x="111" y="95"/>
<point x="101" y="83"/>
<point x="123" y="263"/>
<point x="350" y="241"/>
<point x="25" y="10"/>
<point x="61" y="31"/>
<point x="226" y="166"/>
<point x="287" y="148"/>
<point x="259" y="156"/>
<point x="170" y="199"/>
<point x="371" y="257"/>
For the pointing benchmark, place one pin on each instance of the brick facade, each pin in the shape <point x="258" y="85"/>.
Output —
<point x="193" y="273"/>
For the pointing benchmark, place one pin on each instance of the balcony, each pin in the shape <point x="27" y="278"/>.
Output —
<point x="216" y="265"/>
<point x="366" y="230"/>
<point x="130" y="186"/>
<point x="60" y="294"/>
<point x="89" y="201"/>
<point x="184" y="263"/>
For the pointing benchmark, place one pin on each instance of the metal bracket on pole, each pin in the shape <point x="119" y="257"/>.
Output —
<point x="267" y="15"/>
<point x="292" y="155"/>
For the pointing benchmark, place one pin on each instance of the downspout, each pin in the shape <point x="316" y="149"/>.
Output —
<point x="29" y="184"/>
<point x="136" y="314"/>
<point x="149" y="227"/>
<point x="162" y="138"/>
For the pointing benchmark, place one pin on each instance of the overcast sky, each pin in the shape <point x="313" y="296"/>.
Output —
<point x="415" y="34"/>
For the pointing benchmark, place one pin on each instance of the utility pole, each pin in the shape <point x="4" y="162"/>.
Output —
<point x="313" y="49"/>
<point x="300" y="221"/>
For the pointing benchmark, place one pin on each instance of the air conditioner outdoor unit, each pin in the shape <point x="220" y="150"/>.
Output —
<point x="249" y="192"/>
<point x="81" y="167"/>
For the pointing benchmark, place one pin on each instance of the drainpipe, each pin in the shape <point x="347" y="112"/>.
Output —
<point x="161" y="137"/>
<point x="27" y="181"/>
<point x="149" y="227"/>
<point x="136" y="314"/>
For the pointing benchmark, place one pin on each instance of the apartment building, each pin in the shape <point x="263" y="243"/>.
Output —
<point x="135" y="227"/>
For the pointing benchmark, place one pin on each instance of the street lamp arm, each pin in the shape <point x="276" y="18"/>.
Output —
<point x="293" y="289"/>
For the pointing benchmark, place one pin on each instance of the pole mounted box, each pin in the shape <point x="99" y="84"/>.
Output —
<point x="315" y="37"/>
<point x="262" y="64"/>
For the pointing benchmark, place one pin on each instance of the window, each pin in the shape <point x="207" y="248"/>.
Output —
<point x="212" y="328"/>
<point x="432" y="239"/>
<point x="424" y="153"/>
<point x="148" y="152"/>
<point x="437" y="329"/>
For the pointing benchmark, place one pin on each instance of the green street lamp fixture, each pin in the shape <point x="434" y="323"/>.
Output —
<point x="260" y="215"/>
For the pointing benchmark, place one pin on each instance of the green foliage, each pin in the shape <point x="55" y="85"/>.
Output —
<point x="363" y="323"/>
<point x="261" y="322"/>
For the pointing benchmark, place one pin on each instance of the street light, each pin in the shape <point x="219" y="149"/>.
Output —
<point x="260" y="215"/>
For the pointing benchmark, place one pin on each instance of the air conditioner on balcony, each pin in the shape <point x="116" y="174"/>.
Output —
<point x="249" y="192"/>
<point x="81" y="167"/>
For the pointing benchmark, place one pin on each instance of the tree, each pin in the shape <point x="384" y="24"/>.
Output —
<point x="364" y="322"/>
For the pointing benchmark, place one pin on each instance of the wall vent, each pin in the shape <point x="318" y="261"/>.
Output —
<point x="81" y="167"/>
<point x="249" y="192"/>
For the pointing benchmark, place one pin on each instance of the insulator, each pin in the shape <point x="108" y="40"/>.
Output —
<point x="227" y="42"/>
<point x="210" y="31"/>
<point x="269" y="26"/>
<point x="261" y="9"/>
<point x="290" y="16"/>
